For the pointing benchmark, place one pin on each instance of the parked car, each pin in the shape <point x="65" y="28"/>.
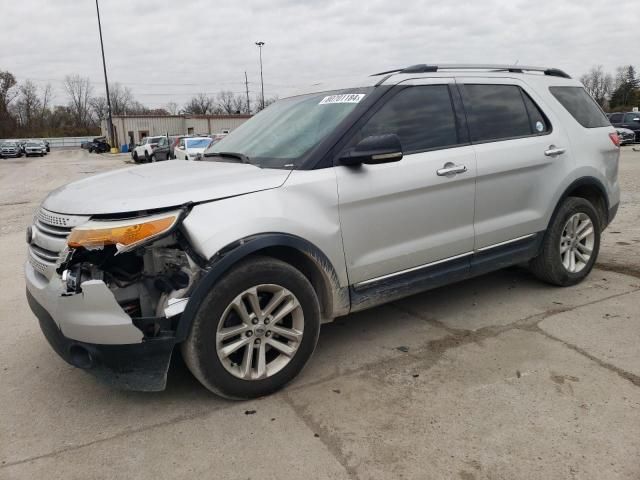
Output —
<point x="323" y="204"/>
<point x="163" y="150"/>
<point x="626" y="136"/>
<point x="143" y="152"/>
<point x="628" y="120"/>
<point x="189" y="148"/>
<point x="33" y="148"/>
<point x="11" y="149"/>
<point x="99" y="145"/>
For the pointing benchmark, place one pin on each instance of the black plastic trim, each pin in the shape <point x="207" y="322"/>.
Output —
<point x="139" y="366"/>
<point x="581" y="182"/>
<point x="416" y="281"/>
<point x="231" y="255"/>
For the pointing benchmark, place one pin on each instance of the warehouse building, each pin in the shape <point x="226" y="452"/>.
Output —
<point x="132" y="128"/>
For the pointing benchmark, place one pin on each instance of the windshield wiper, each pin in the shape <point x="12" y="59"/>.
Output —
<point x="238" y="156"/>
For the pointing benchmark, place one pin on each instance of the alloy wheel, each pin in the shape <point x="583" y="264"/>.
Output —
<point x="260" y="332"/>
<point x="576" y="242"/>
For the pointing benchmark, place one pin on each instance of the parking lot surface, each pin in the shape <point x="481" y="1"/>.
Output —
<point x="499" y="377"/>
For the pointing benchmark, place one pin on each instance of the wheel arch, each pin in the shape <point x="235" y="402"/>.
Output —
<point x="298" y="252"/>
<point x="591" y="189"/>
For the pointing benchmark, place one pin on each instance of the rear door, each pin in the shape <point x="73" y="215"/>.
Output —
<point x="405" y="215"/>
<point x="522" y="155"/>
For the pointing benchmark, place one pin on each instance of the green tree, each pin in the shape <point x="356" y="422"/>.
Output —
<point x="627" y="92"/>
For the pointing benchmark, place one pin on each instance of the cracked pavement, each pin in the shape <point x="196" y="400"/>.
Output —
<point x="498" y="377"/>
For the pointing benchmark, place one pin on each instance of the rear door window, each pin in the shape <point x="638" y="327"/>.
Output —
<point x="422" y="116"/>
<point x="632" y="118"/>
<point x="581" y="106"/>
<point x="496" y="112"/>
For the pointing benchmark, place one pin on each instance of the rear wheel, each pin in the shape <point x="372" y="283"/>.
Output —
<point x="255" y="330"/>
<point x="571" y="244"/>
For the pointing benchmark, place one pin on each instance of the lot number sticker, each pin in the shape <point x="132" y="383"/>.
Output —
<point x="345" y="98"/>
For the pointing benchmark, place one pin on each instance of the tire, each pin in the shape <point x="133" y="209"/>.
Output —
<point x="551" y="265"/>
<point x="146" y="157"/>
<point x="222" y="375"/>
<point x="135" y="157"/>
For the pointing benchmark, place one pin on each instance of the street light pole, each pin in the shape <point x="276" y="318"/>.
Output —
<point x="260" y="45"/>
<point x="106" y="82"/>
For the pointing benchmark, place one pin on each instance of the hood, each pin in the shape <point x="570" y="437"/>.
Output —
<point x="160" y="185"/>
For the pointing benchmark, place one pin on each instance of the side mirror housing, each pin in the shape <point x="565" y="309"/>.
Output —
<point x="374" y="150"/>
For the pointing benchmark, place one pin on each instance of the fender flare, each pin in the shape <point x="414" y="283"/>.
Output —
<point x="230" y="255"/>
<point x="582" y="182"/>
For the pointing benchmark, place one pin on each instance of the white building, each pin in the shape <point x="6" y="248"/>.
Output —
<point x="130" y="128"/>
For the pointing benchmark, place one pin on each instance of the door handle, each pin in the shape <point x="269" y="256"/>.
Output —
<point x="553" y="151"/>
<point x="451" y="169"/>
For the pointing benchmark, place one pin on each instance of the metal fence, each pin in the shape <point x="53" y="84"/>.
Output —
<point x="56" y="142"/>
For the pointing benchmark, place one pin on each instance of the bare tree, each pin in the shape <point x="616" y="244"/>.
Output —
<point x="122" y="100"/>
<point x="171" y="108"/>
<point x="201" y="104"/>
<point x="598" y="83"/>
<point x="99" y="107"/>
<point x="79" y="90"/>
<point x="28" y="106"/>
<point x="267" y="102"/>
<point x="8" y="93"/>
<point x="227" y="102"/>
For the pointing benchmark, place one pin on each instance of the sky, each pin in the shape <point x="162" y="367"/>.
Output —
<point x="168" y="51"/>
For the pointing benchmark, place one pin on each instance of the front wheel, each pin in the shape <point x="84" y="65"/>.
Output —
<point x="254" y="331"/>
<point x="571" y="244"/>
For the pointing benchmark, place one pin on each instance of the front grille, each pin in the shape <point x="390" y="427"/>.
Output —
<point x="50" y="232"/>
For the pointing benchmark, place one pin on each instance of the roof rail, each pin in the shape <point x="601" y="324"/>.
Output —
<point x="423" y="68"/>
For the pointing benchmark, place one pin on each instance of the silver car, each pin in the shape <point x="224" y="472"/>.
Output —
<point x="35" y="147"/>
<point x="323" y="204"/>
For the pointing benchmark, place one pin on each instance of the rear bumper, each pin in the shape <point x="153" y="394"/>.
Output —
<point x="141" y="366"/>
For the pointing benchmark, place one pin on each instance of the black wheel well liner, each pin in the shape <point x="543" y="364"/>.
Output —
<point x="298" y="252"/>
<point x="589" y="188"/>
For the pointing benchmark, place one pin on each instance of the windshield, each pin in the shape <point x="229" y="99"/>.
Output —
<point x="198" y="143"/>
<point x="154" y="139"/>
<point x="284" y="133"/>
<point x="33" y="144"/>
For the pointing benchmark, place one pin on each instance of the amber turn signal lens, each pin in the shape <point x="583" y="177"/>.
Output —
<point x="120" y="235"/>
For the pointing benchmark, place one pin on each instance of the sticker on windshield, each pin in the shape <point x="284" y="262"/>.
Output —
<point x="539" y="126"/>
<point x="345" y="98"/>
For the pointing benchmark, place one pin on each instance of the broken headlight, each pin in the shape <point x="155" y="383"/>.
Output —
<point x="123" y="234"/>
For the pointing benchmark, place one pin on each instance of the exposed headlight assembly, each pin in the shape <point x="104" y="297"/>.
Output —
<point x="124" y="234"/>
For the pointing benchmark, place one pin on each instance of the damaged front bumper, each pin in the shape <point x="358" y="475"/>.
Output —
<point x="138" y="366"/>
<point x="90" y="330"/>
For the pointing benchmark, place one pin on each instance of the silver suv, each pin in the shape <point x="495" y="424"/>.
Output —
<point x="321" y="205"/>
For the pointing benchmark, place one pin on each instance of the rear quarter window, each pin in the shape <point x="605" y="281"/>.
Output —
<point x="581" y="106"/>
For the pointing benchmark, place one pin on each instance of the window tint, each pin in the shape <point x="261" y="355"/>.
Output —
<point x="495" y="112"/>
<point x="581" y="106"/>
<point x="630" y="117"/>
<point x="421" y="116"/>
<point x="539" y="122"/>
<point x="616" y="118"/>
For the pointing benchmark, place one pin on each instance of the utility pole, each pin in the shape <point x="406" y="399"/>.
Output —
<point x="106" y="82"/>
<point x="246" y="84"/>
<point x="260" y="45"/>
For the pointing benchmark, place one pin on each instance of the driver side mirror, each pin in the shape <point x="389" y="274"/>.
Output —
<point x="374" y="150"/>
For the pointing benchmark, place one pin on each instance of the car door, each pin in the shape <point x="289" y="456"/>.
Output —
<point x="522" y="153"/>
<point x="411" y="213"/>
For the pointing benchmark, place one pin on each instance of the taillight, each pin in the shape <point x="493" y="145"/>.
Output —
<point x="615" y="138"/>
